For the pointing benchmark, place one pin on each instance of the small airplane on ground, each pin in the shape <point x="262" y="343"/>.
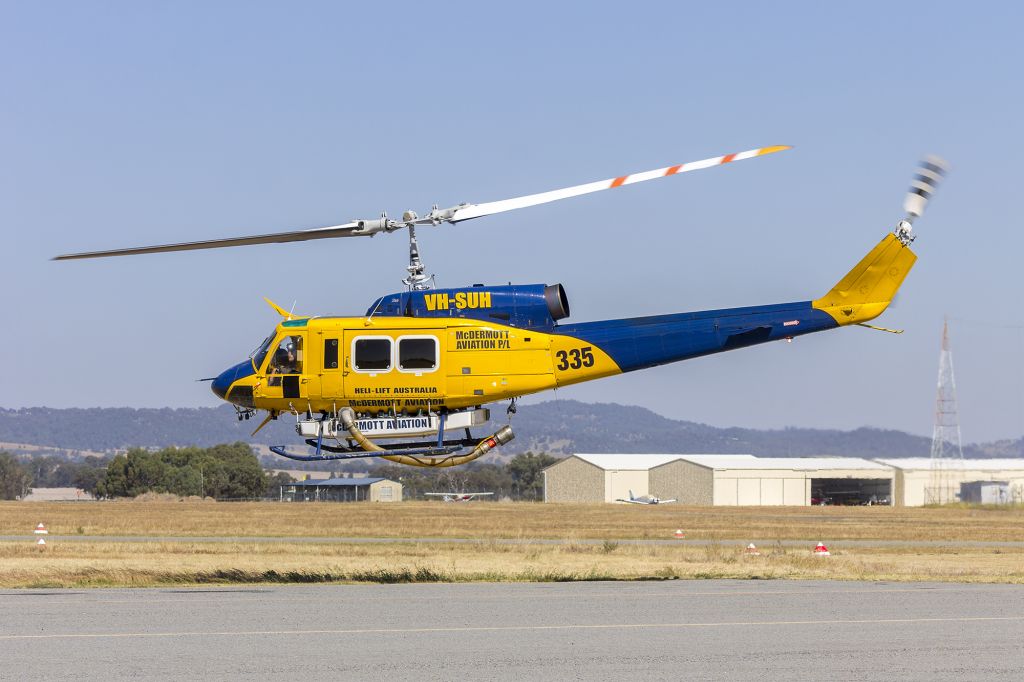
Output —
<point x="456" y="497"/>
<point x="645" y="499"/>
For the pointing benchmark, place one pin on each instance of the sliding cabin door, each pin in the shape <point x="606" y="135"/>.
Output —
<point x="394" y="371"/>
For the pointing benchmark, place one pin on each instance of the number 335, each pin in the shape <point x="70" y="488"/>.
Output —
<point x="575" y="358"/>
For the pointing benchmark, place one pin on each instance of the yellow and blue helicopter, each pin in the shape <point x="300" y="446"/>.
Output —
<point x="409" y="379"/>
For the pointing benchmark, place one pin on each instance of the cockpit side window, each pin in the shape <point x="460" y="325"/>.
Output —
<point x="287" y="357"/>
<point x="330" y="353"/>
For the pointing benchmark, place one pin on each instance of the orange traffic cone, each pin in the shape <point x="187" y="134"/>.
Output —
<point x="41" y="530"/>
<point x="821" y="550"/>
<point x="679" y="534"/>
<point x="752" y="550"/>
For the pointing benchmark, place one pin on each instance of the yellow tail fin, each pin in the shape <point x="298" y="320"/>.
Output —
<point x="867" y="290"/>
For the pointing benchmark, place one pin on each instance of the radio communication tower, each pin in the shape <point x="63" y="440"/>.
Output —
<point x="946" y="446"/>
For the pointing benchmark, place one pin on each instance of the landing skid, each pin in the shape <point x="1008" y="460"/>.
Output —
<point x="345" y="428"/>
<point x="329" y="453"/>
<point x="325" y="452"/>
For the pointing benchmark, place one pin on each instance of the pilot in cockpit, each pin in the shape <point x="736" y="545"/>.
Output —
<point x="284" y="359"/>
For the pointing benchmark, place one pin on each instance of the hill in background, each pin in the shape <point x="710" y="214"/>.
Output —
<point x="557" y="427"/>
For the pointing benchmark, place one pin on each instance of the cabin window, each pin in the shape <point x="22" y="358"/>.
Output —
<point x="287" y="359"/>
<point x="417" y="353"/>
<point x="330" y="353"/>
<point x="372" y="354"/>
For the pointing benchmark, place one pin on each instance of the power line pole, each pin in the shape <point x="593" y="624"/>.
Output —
<point x="946" y="445"/>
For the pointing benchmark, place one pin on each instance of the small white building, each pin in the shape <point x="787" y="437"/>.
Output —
<point x="57" y="495"/>
<point x="918" y="483"/>
<point x="342" y="490"/>
<point x="745" y="480"/>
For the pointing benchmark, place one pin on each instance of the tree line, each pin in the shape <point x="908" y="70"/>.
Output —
<point x="232" y="471"/>
<point x="222" y="472"/>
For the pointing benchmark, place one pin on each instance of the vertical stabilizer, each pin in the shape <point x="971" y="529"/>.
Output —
<point x="868" y="289"/>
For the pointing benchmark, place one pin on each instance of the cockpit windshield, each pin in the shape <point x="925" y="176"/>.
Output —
<point x="261" y="353"/>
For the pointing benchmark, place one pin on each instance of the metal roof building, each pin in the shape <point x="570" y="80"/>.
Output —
<point x="917" y="483"/>
<point x="343" y="490"/>
<point x="746" y="480"/>
<point x="719" y="479"/>
<point x="599" y="478"/>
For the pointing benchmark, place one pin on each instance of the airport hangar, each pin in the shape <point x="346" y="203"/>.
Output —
<point x="717" y="479"/>
<point x="916" y="483"/>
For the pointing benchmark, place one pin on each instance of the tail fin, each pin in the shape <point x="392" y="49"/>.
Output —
<point x="631" y="495"/>
<point x="868" y="289"/>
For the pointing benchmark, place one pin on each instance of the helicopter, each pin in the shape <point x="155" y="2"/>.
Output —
<point x="408" y="380"/>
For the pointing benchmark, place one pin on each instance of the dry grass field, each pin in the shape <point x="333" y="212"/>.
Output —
<point x="65" y="563"/>
<point x="486" y="520"/>
<point x="98" y="564"/>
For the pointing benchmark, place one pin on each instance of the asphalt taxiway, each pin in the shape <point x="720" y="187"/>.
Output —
<point x="676" y="629"/>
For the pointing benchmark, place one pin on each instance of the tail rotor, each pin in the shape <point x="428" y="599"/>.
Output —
<point x="929" y="174"/>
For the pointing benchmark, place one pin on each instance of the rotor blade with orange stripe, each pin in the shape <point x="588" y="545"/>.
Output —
<point x="455" y="214"/>
<point x="479" y="210"/>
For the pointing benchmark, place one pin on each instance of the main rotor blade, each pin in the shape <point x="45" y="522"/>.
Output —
<point x="479" y="210"/>
<point x="347" y="230"/>
<point x="366" y="228"/>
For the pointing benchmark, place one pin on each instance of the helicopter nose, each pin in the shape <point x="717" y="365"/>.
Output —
<point x="229" y="376"/>
<point x="221" y="385"/>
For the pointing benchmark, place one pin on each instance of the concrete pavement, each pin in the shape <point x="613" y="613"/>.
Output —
<point x="678" y="629"/>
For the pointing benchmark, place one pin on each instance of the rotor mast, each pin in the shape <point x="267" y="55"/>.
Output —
<point x="417" y="280"/>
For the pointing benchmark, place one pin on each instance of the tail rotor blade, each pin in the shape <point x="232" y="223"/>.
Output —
<point x="929" y="174"/>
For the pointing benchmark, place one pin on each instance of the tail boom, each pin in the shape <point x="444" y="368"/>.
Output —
<point x="637" y="343"/>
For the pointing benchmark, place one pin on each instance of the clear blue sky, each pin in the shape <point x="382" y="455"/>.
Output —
<point x="134" y="123"/>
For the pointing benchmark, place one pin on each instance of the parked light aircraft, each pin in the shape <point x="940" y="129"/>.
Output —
<point x="645" y="499"/>
<point x="457" y="497"/>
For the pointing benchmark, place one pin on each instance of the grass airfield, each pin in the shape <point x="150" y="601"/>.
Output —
<point x="277" y="543"/>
